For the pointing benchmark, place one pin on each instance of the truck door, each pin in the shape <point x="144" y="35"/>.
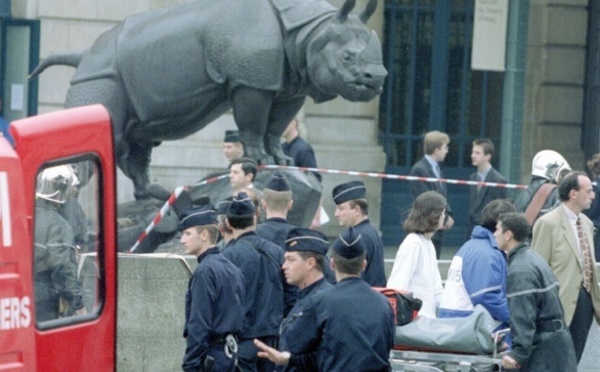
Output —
<point x="17" y="331"/>
<point x="72" y="236"/>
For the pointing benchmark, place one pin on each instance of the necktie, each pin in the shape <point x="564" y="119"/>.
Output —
<point x="437" y="171"/>
<point x="480" y="179"/>
<point x="586" y="253"/>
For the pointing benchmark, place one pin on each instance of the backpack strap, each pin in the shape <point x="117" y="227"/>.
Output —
<point x="537" y="202"/>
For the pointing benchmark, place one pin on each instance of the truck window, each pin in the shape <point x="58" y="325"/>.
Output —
<point x="67" y="267"/>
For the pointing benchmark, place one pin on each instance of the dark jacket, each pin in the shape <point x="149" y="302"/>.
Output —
<point x="422" y="168"/>
<point x="479" y="199"/>
<point x="350" y="327"/>
<point x="301" y="362"/>
<point x="267" y="294"/>
<point x="540" y="340"/>
<point x="55" y="268"/>
<point x="214" y="308"/>
<point x="526" y="196"/>
<point x="276" y="230"/>
<point x="302" y="153"/>
<point x="374" y="273"/>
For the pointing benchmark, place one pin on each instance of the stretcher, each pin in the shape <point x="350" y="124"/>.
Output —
<point x="406" y="358"/>
<point x="469" y="344"/>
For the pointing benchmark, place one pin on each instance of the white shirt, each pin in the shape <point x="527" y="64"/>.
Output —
<point x="416" y="270"/>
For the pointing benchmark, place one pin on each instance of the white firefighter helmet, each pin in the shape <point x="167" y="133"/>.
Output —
<point x="550" y="165"/>
<point x="55" y="183"/>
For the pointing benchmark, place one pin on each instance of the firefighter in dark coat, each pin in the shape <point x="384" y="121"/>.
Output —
<point x="540" y="340"/>
<point x="349" y="327"/>
<point x="214" y="308"/>
<point x="55" y="267"/>
<point x="547" y="169"/>
<point x="267" y="294"/>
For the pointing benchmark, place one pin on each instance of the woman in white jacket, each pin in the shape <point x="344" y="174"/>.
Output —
<point x="415" y="267"/>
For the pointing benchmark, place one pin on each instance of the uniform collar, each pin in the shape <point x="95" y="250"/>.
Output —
<point x="304" y="292"/>
<point x="213" y="250"/>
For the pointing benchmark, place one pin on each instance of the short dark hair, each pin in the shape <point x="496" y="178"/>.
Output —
<point x="486" y="144"/>
<point x="351" y="266"/>
<point x="425" y="213"/>
<point x="248" y="166"/>
<point x="568" y="183"/>
<point x="517" y="224"/>
<point x="491" y="212"/>
<point x="361" y="203"/>
<point x="319" y="259"/>
<point x="241" y="222"/>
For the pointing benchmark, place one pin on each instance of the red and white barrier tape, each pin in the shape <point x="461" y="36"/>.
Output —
<point x="179" y="190"/>
<point x="166" y="206"/>
<point x="211" y="180"/>
<point x="158" y="217"/>
<point x="398" y="177"/>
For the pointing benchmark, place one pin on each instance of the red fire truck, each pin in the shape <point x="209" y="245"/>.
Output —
<point x="83" y="342"/>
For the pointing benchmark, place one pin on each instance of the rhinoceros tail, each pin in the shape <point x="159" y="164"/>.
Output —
<point x="69" y="59"/>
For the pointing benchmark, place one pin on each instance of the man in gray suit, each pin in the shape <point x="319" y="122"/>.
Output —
<point x="436" y="149"/>
<point x="564" y="237"/>
<point x="480" y="196"/>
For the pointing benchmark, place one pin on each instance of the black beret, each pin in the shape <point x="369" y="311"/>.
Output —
<point x="232" y="136"/>
<point x="204" y="215"/>
<point x="301" y="239"/>
<point x="349" y="244"/>
<point x="241" y="206"/>
<point x="278" y="182"/>
<point x="349" y="191"/>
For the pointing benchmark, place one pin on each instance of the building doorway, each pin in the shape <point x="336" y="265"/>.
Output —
<point x="430" y="86"/>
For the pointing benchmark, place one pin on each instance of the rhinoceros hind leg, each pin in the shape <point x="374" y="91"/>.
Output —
<point x="257" y="152"/>
<point x="273" y="147"/>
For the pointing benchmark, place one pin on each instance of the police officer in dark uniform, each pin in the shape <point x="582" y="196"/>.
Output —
<point x="214" y="308"/>
<point x="352" y="211"/>
<point x="298" y="149"/>
<point x="260" y="262"/>
<point x="277" y="202"/>
<point x="350" y="327"/>
<point x="303" y="267"/>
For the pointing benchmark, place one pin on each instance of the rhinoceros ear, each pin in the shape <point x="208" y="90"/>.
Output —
<point x="342" y="14"/>
<point x="368" y="11"/>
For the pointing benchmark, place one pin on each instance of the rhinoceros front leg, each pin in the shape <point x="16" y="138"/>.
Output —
<point x="135" y="164"/>
<point x="282" y="113"/>
<point x="251" y="109"/>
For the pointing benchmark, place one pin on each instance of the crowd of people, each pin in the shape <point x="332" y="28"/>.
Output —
<point x="309" y="305"/>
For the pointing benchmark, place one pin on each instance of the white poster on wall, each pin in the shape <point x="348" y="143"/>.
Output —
<point x="489" y="35"/>
<point x="17" y="97"/>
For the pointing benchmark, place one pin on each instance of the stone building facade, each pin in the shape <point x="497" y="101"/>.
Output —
<point x="344" y="134"/>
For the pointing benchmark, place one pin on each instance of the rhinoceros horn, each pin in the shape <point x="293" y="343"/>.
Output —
<point x="368" y="11"/>
<point x="342" y="14"/>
